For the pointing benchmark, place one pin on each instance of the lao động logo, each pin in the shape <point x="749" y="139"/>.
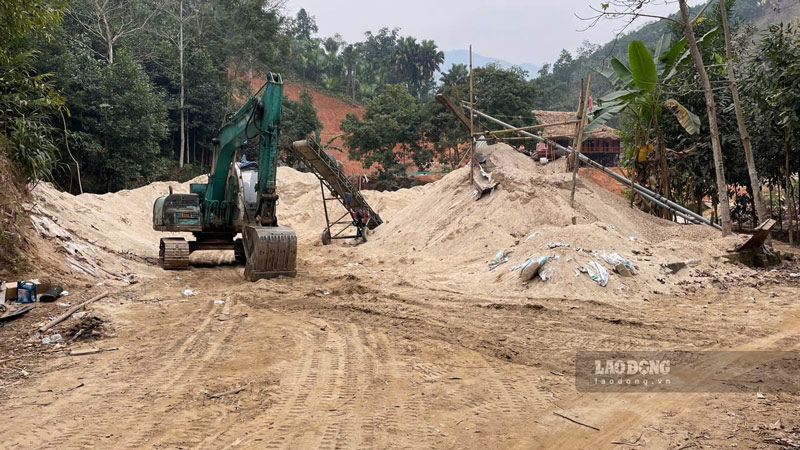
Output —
<point x="631" y="371"/>
<point x="687" y="371"/>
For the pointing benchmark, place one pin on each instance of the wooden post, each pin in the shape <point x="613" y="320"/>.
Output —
<point x="571" y="158"/>
<point x="576" y="162"/>
<point x="471" y="104"/>
<point x="471" y="119"/>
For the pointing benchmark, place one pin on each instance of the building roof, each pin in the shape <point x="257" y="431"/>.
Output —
<point x="568" y="131"/>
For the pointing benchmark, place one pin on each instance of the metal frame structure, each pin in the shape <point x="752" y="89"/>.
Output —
<point x="328" y="235"/>
<point x="332" y="177"/>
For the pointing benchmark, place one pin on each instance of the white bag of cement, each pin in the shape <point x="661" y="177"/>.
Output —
<point x="597" y="273"/>
<point x="545" y="272"/>
<point x="531" y="267"/>
<point x="500" y="257"/>
<point x="614" y="260"/>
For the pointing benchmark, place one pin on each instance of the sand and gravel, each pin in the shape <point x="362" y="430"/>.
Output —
<point x="406" y="341"/>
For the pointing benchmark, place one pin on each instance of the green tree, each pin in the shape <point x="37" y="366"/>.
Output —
<point x="305" y="24"/>
<point x="389" y="135"/>
<point x="458" y="75"/>
<point x="504" y="93"/>
<point x="28" y="99"/>
<point x="772" y="84"/>
<point x="299" y="121"/>
<point x="118" y="121"/>
<point x="641" y="94"/>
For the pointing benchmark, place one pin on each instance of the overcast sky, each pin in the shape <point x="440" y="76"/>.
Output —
<point x="519" y="31"/>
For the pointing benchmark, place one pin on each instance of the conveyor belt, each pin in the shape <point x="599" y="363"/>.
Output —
<point x="327" y="169"/>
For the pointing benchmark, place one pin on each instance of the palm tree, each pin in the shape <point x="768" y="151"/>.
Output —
<point x="430" y="59"/>
<point x="350" y="58"/>
<point x="458" y="75"/>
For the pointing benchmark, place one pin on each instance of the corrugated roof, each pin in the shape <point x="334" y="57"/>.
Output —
<point x="568" y="131"/>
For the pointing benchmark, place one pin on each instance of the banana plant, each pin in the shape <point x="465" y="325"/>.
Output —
<point x="640" y="96"/>
<point x="639" y="88"/>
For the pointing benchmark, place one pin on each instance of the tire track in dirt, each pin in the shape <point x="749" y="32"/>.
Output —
<point x="181" y="385"/>
<point x="232" y="434"/>
<point x="290" y="404"/>
<point x="350" y="398"/>
<point x="71" y="431"/>
<point x="372" y="369"/>
<point x="189" y="432"/>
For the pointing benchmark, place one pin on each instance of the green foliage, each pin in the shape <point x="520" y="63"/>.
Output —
<point x="360" y="70"/>
<point x="118" y="120"/>
<point x="21" y="19"/>
<point x="27" y="97"/>
<point x="300" y="120"/>
<point x="439" y="128"/>
<point x="504" y="93"/>
<point x="643" y="67"/>
<point x="771" y="86"/>
<point x="640" y="92"/>
<point x="389" y="134"/>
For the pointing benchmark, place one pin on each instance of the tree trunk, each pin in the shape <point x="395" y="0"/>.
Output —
<point x="109" y="39"/>
<point x="180" y="56"/>
<point x="771" y="212"/>
<point x="716" y="149"/>
<point x="662" y="160"/>
<point x="789" y="191"/>
<point x="582" y="124"/>
<point x="780" y="208"/>
<point x="755" y="183"/>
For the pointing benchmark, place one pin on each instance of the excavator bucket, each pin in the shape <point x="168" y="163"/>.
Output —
<point x="270" y="252"/>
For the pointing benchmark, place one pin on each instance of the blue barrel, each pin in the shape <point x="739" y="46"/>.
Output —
<point x="26" y="292"/>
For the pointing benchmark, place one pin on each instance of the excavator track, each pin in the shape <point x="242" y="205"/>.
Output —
<point x="270" y="252"/>
<point x="173" y="254"/>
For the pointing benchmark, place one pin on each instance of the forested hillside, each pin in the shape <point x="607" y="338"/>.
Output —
<point x="558" y="83"/>
<point x="113" y="94"/>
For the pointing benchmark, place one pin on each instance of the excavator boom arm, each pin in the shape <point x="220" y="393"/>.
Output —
<point x="259" y="116"/>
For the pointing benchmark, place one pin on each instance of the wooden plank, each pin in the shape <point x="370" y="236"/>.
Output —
<point x="70" y="312"/>
<point x="759" y="237"/>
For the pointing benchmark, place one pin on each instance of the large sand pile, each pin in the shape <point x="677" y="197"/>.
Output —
<point x="431" y="233"/>
<point x="444" y="230"/>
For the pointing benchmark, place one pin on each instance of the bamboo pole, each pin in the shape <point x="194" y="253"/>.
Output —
<point x="576" y="161"/>
<point x="500" y="138"/>
<point x="471" y="103"/>
<point x="532" y="127"/>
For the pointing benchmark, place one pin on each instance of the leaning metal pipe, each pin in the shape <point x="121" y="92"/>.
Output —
<point x="647" y="193"/>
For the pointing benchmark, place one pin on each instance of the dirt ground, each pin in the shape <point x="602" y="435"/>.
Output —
<point x="407" y="341"/>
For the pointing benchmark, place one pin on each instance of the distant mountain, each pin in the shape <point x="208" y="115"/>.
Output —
<point x="462" y="57"/>
<point x="759" y="13"/>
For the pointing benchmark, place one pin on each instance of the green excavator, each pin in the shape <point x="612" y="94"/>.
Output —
<point x="238" y="198"/>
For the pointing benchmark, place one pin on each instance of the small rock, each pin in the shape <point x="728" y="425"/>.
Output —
<point x="622" y="270"/>
<point x="675" y="267"/>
